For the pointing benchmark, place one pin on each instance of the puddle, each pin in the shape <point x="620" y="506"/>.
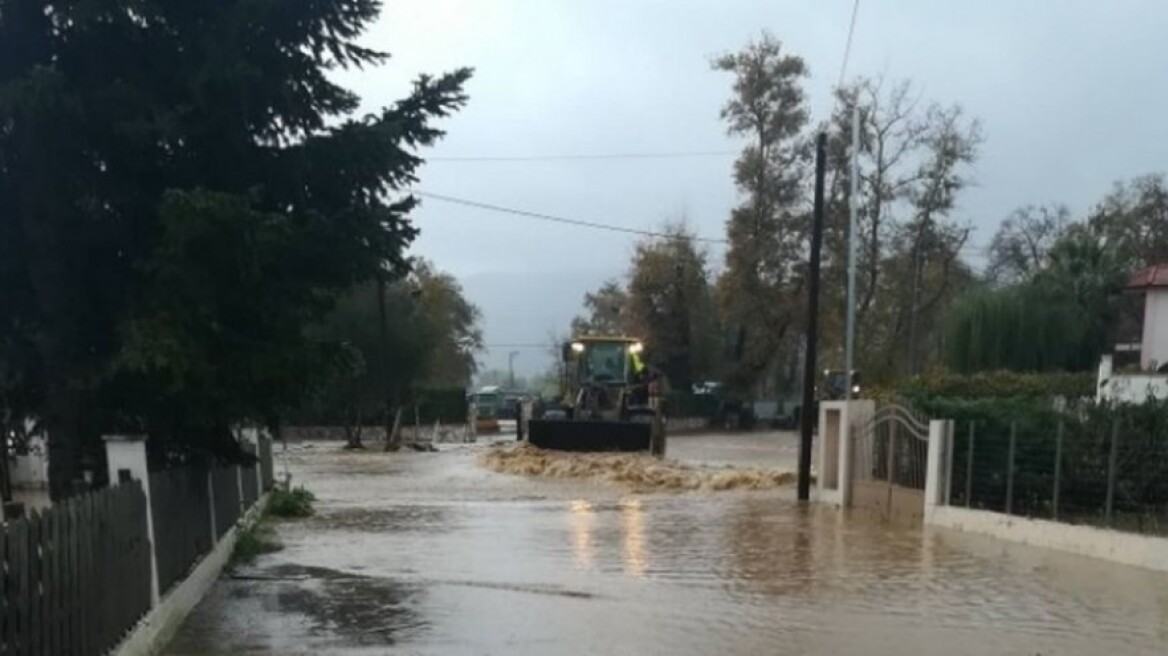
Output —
<point x="377" y="520"/>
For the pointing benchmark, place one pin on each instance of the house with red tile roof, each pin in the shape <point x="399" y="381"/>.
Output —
<point x="1149" y="375"/>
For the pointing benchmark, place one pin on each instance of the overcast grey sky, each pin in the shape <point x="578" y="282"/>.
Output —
<point x="1068" y="93"/>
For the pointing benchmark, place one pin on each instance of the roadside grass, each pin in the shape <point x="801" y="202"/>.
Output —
<point x="253" y="541"/>
<point x="260" y="538"/>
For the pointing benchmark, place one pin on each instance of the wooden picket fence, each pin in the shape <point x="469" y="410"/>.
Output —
<point x="181" y="503"/>
<point x="75" y="578"/>
<point x="267" y="469"/>
<point x="225" y="498"/>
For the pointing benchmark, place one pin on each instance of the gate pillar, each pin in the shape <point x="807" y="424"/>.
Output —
<point x="837" y="422"/>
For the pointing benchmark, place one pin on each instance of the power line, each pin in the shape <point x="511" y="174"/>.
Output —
<point x="585" y="156"/>
<point x="848" y="45"/>
<point x="557" y="219"/>
<point x="523" y="346"/>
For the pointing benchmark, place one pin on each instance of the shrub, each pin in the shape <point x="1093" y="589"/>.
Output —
<point x="996" y="384"/>
<point x="253" y="541"/>
<point x="296" y="502"/>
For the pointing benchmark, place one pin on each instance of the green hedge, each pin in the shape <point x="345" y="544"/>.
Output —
<point x="991" y="384"/>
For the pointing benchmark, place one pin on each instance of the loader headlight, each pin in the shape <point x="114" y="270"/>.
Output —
<point x="636" y="347"/>
<point x="855" y="389"/>
<point x="577" y="347"/>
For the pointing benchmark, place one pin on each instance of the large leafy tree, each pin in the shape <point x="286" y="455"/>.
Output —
<point x="1133" y="220"/>
<point x="1022" y="244"/>
<point x="182" y="189"/>
<point x="431" y="337"/>
<point x="762" y="282"/>
<point x="607" y="312"/>
<point x="913" y="163"/>
<point x="454" y="324"/>
<point x="671" y="306"/>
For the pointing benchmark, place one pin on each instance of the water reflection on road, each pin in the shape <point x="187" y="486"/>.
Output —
<point x="430" y="554"/>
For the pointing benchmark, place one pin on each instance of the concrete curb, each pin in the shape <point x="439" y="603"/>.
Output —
<point x="1144" y="551"/>
<point x="154" y="632"/>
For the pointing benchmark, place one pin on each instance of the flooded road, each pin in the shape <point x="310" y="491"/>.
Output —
<point x="428" y="553"/>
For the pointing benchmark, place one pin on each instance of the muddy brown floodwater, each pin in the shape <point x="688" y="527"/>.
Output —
<point x="430" y="553"/>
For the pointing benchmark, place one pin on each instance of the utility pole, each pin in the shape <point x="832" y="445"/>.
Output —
<point x="511" y="369"/>
<point x="853" y="200"/>
<point x="807" y="410"/>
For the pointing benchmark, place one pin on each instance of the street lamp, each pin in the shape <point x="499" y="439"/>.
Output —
<point x="511" y="369"/>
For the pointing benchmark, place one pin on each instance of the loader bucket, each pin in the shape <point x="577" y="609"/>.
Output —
<point x="571" y="435"/>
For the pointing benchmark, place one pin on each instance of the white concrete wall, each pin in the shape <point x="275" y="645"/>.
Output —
<point x="31" y="471"/>
<point x="1154" y="346"/>
<point x="1129" y="388"/>
<point x="1126" y="548"/>
<point x="1138" y="388"/>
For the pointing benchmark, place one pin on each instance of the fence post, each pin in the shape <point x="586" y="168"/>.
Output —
<point x="1111" y="466"/>
<point x="1010" y="468"/>
<point x="1058" y="468"/>
<point x="128" y="452"/>
<point x="949" y="445"/>
<point x="252" y="437"/>
<point x="935" y="459"/>
<point x="239" y="488"/>
<point x="891" y="467"/>
<point x="211" y="503"/>
<point x="969" y="467"/>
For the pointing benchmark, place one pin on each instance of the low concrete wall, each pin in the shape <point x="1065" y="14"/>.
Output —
<point x="686" y="424"/>
<point x="1117" y="546"/>
<point x="444" y="433"/>
<point x="1129" y="387"/>
<point x="155" y="630"/>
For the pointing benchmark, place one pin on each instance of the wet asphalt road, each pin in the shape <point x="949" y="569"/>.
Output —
<point x="418" y="553"/>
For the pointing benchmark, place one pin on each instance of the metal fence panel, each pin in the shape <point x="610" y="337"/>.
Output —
<point x="1102" y="466"/>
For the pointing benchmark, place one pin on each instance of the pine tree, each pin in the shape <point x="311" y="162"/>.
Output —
<point x="189" y="189"/>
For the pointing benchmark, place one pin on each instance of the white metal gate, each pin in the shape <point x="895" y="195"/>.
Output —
<point x="889" y="463"/>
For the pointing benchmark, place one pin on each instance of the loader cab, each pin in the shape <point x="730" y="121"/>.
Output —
<point x="835" y="385"/>
<point x="602" y="361"/>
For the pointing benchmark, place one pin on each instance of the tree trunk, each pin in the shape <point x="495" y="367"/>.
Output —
<point x="353" y="430"/>
<point x="417" y="422"/>
<point x="393" y="437"/>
